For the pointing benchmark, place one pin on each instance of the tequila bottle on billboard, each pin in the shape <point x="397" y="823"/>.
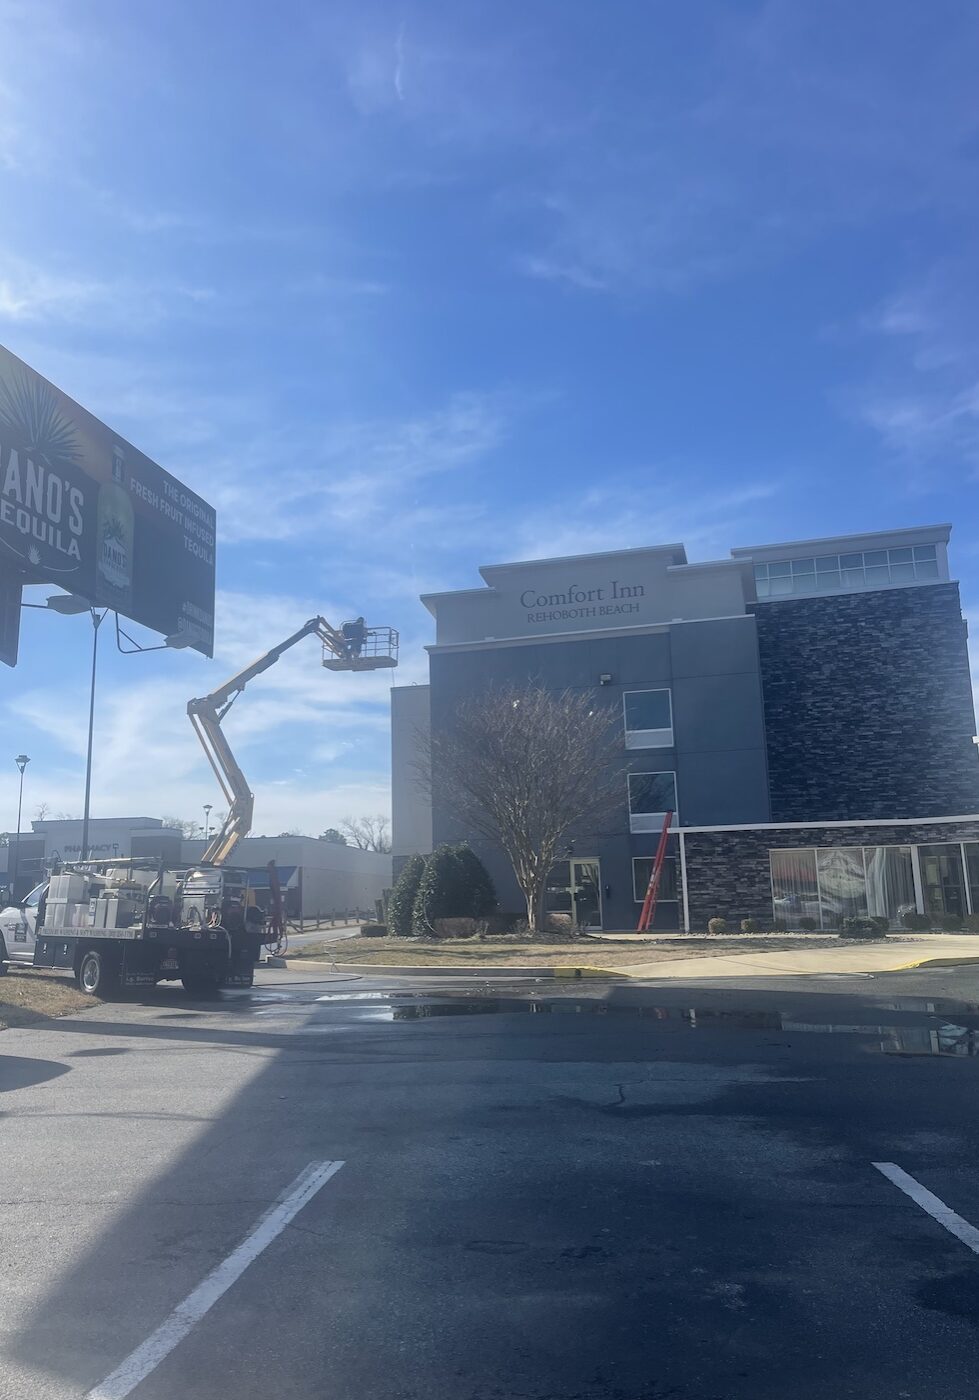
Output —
<point x="114" y="564"/>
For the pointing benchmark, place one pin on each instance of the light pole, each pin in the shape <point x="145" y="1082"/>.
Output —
<point x="97" y="620"/>
<point x="69" y="605"/>
<point x="21" y="761"/>
<point x="207" y="819"/>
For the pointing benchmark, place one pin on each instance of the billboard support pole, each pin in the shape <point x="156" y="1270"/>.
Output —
<point x="96" y="624"/>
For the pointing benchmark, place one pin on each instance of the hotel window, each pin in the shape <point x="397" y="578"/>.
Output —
<point x="641" y="869"/>
<point x="648" y="719"/>
<point x="828" y="573"/>
<point x="651" y="796"/>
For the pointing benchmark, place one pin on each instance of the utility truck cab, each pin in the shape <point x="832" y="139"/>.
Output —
<point x="18" y="928"/>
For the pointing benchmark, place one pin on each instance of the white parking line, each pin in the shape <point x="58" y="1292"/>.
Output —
<point x="937" y="1209"/>
<point x="159" y="1344"/>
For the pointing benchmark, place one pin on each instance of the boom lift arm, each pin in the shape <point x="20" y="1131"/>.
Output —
<point x="364" y="649"/>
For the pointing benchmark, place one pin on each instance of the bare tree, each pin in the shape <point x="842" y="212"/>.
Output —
<point x="525" y="768"/>
<point x="190" y="830"/>
<point x="368" y="833"/>
<point x="43" y="808"/>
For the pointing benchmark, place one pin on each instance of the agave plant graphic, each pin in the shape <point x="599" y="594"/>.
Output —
<point x="32" y="418"/>
<point x="113" y="530"/>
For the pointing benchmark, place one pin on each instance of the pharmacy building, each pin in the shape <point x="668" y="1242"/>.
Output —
<point x="804" y="709"/>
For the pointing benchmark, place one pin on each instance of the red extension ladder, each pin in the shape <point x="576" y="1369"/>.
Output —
<point x="652" y="889"/>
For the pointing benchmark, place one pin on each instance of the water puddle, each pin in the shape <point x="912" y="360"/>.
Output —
<point x="355" y="996"/>
<point x="946" y="1038"/>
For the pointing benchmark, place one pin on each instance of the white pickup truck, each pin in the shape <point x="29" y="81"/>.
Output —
<point x="18" y="929"/>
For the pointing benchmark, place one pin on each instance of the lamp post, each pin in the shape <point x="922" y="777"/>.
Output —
<point x="97" y="621"/>
<point x="21" y="761"/>
<point x="207" y="819"/>
<point x="69" y="605"/>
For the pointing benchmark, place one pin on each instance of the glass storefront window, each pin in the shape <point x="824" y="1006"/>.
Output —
<point x="942" y="880"/>
<point x="972" y="871"/>
<point x="842" y="884"/>
<point x="890" y="882"/>
<point x="795" y="892"/>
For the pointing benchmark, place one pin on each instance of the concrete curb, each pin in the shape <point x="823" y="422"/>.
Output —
<point x="608" y="973"/>
<point x="934" y="962"/>
<point x="394" y="970"/>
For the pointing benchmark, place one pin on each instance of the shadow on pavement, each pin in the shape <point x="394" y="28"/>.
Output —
<point x="19" y="1072"/>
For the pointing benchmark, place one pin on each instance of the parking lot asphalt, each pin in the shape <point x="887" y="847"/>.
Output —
<point x="601" y="1192"/>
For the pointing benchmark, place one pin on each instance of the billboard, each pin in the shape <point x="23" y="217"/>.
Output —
<point x="83" y="508"/>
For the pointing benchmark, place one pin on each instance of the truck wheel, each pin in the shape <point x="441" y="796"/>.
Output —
<point x="200" y="984"/>
<point x="96" y="977"/>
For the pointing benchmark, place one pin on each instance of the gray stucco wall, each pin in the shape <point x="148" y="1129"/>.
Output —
<point x="718" y="753"/>
<point x="624" y="588"/>
<point x="411" y="805"/>
<point x="868" y="705"/>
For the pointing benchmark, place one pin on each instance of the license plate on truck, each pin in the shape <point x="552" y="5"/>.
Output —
<point x="169" y="965"/>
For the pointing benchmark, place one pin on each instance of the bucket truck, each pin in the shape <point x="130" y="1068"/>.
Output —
<point x="133" y="923"/>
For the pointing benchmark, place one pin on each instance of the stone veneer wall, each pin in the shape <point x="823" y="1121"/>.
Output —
<point x="868" y="705"/>
<point x="728" y="874"/>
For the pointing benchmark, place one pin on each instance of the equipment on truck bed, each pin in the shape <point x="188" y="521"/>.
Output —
<point x="132" y="923"/>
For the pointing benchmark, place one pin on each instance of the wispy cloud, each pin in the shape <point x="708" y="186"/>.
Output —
<point x="399" y="63"/>
<point x="922" y="396"/>
<point x="748" y="145"/>
<point x="29" y="292"/>
<point x="353" y="476"/>
<point x="708" y="521"/>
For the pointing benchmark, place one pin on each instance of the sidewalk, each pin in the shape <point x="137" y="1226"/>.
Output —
<point x="935" y="949"/>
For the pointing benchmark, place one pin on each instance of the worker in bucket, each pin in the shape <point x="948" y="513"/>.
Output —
<point x="354" y="635"/>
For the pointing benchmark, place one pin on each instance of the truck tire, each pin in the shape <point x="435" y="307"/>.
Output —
<point x="201" y="984"/>
<point x="97" y="977"/>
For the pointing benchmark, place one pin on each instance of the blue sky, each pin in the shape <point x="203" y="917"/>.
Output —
<point x="407" y="288"/>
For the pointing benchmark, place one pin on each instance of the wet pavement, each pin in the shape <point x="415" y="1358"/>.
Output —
<point x="611" y="1193"/>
